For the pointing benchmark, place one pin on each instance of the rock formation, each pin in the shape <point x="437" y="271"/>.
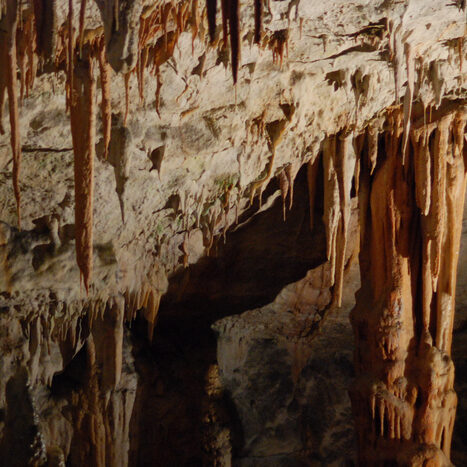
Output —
<point x="150" y="131"/>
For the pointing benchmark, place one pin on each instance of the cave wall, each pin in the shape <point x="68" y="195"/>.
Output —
<point x="129" y="152"/>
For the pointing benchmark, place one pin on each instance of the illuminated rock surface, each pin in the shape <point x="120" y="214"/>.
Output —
<point x="166" y="166"/>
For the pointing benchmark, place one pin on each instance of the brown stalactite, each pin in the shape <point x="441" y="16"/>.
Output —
<point x="211" y="9"/>
<point x="258" y="20"/>
<point x="82" y="14"/>
<point x="82" y="116"/>
<point x="234" y="29"/>
<point x="225" y="7"/>
<point x="117" y="14"/>
<point x="8" y="52"/>
<point x="70" y="54"/>
<point x="403" y="398"/>
<point x="26" y="53"/>
<point x="277" y="43"/>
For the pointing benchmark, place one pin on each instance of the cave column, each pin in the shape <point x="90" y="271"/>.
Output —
<point x="411" y="218"/>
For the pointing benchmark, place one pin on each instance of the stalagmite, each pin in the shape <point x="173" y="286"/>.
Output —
<point x="82" y="113"/>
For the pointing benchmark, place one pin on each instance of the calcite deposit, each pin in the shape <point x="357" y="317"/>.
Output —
<point x="139" y="136"/>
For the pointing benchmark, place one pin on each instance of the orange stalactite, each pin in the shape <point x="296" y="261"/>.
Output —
<point x="106" y="104"/>
<point x="410" y="224"/>
<point x="26" y="53"/>
<point x="82" y="118"/>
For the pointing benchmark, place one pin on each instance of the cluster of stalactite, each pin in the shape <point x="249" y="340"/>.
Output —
<point x="31" y="39"/>
<point x="410" y="220"/>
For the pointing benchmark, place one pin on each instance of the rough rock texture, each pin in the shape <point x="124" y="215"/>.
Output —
<point x="171" y="154"/>
<point x="286" y="368"/>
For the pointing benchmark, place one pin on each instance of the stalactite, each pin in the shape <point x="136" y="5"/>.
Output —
<point x="106" y="105"/>
<point x="234" y="29"/>
<point x="408" y="99"/>
<point x="438" y="226"/>
<point x="345" y="168"/>
<point x="291" y="179"/>
<point x="117" y="14"/>
<point x="312" y="177"/>
<point x="8" y="51"/>
<point x="397" y="58"/>
<point x="82" y="113"/>
<point x="460" y="48"/>
<point x="258" y="20"/>
<point x="372" y="135"/>
<point x="82" y="15"/>
<point x="225" y="7"/>
<point x="211" y="8"/>
<point x="284" y="187"/>
<point x="275" y="132"/>
<point x="422" y="163"/>
<point x="3" y="76"/>
<point x="331" y="201"/>
<point x="26" y="54"/>
<point x="277" y="43"/>
<point x="126" y="79"/>
<point x="70" y="54"/>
